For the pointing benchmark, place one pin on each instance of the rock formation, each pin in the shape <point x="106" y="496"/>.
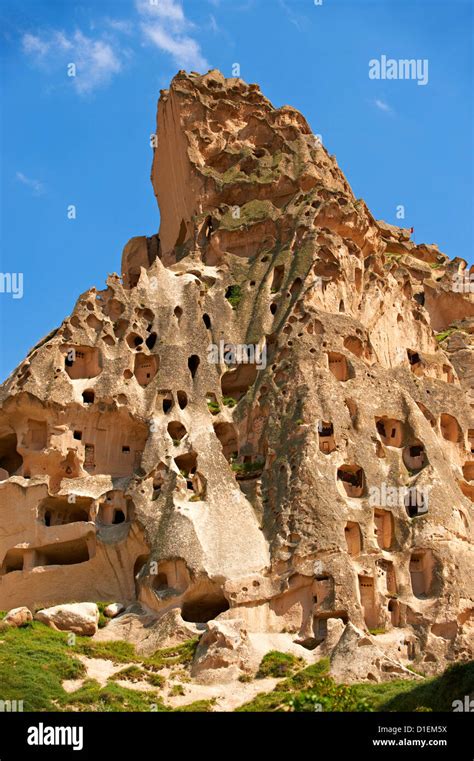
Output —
<point x="330" y="476"/>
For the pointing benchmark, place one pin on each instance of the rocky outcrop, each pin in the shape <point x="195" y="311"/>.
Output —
<point x="147" y="631"/>
<point x="78" y="618"/>
<point x="17" y="617"/>
<point x="329" y="476"/>
<point x="223" y="653"/>
<point x="357" y="657"/>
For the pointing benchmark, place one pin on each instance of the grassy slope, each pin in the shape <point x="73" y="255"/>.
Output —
<point x="34" y="660"/>
<point x="312" y="685"/>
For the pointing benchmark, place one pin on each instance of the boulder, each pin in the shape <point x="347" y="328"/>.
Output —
<point x="80" y="618"/>
<point x="335" y="629"/>
<point x="18" y="617"/>
<point x="223" y="652"/>
<point x="114" y="609"/>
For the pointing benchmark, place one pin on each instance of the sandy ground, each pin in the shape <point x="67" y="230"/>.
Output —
<point x="227" y="696"/>
<point x="99" y="669"/>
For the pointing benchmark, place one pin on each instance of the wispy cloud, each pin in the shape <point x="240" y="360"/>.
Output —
<point x="184" y="50"/>
<point x="35" y="185"/>
<point x="383" y="106"/>
<point x="34" y="45"/>
<point x="120" y="25"/>
<point x="100" y="55"/>
<point x="96" y="60"/>
<point x="172" y="10"/>
<point x="297" y="19"/>
<point x="166" y="26"/>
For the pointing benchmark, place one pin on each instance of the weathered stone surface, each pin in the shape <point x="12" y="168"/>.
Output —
<point x="356" y="657"/>
<point x="169" y="630"/>
<point x="114" y="609"/>
<point x="223" y="653"/>
<point x="134" y="468"/>
<point x="79" y="618"/>
<point x="18" y="617"/>
<point x="149" y="632"/>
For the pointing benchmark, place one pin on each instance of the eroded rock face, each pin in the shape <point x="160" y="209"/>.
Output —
<point x="357" y="657"/>
<point x="223" y="653"/>
<point x="138" y="465"/>
<point x="147" y="632"/>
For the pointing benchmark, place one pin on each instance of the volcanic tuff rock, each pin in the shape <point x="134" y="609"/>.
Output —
<point x="136" y="469"/>
<point x="81" y="618"/>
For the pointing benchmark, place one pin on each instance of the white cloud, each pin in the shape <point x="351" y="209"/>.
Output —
<point x="185" y="50"/>
<point x="99" y="56"/>
<point x="36" y="186"/>
<point x="296" y="19"/>
<point x="96" y="60"/>
<point x="34" y="45"/>
<point x="170" y="10"/>
<point x="383" y="106"/>
<point x="165" y="26"/>
<point x="120" y="25"/>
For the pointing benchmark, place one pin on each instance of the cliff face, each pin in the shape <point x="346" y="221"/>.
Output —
<point x="327" y="482"/>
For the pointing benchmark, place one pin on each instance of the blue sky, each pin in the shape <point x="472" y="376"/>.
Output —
<point x="84" y="140"/>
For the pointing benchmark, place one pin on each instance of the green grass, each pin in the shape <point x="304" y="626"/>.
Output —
<point x="312" y="687"/>
<point x="118" y="652"/>
<point x="233" y="295"/>
<point x="103" y="620"/>
<point x="112" y="698"/>
<point x="309" y="690"/>
<point x="213" y="407"/>
<point x="177" y="689"/>
<point x="278" y="664"/>
<point x="445" y="334"/>
<point x="199" y="706"/>
<point x="130" y="673"/>
<point x="137" y="674"/>
<point x="436" y="693"/>
<point x="243" y="468"/>
<point x="35" y="660"/>
<point x="229" y="401"/>
<point x="377" y="631"/>
<point x="180" y="655"/>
